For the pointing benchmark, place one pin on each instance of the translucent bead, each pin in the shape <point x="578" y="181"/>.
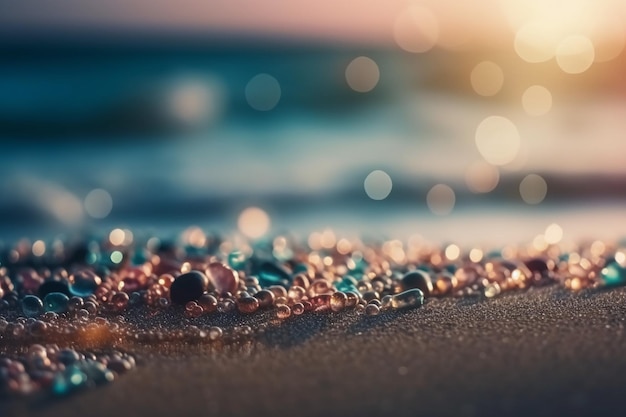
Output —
<point x="296" y="293"/>
<point x="248" y="305"/>
<point x="84" y="283"/>
<point x="319" y="286"/>
<point x="223" y="278"/>
<point x="283" y="311"/>
<point x="32" y="306"/>
<point x="226" y="305"/>
<point x="56" y="302"/>
<point x="321" y="302"/>
<point x="352" y="299"/>
<point x="208" y="303"/>
<point x="370" y="295"/>
<point x="408" y="299"/>
<point x="297" y="309"/>
<point x="372" y="310"/>
<point x="338" y="301"/>
<point x="215" y="333"/>
<point x="119" y="301"/>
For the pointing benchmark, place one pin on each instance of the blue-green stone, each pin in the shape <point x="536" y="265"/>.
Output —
<point x="348" y="283"/>
<point x="32" y="306"/>
<point x="56" y="302"/>
<point x="140" y="257"/>
<point x="408" y="299"/>
<point x="84" y="283"/>
<point x="614" y="274"/>
<point x="50" y="286"/>
<point x="69" y="381"/>
<point x="300" y="268"/>
<point x="237" y="259"/>
<point x="97" y="372"/>
<point x="272" y="274"/>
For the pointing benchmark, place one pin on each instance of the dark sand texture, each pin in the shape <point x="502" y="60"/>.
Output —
<point x="543" y="352"/>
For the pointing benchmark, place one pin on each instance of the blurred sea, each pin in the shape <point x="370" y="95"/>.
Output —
<point x="167" y="130"/>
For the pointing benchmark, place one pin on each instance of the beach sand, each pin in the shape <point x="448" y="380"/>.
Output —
<point x="540" y="352"/>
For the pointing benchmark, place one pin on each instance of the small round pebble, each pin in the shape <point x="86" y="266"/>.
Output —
<point x="418" y="279"/>
<point x="56" y="302"/>
<point x="32" y="306"/>
<point x="188" y="287"/>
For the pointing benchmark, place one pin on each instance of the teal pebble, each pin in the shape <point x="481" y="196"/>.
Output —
<point x="348" y="283"/>
<point x="32" y="306"/>
<point x="614" y="274"/>
<point x="68" y="381"/>
<point x="272" y="274"/>
<point x="56" y="302"/>
<point x="237" y="259"/>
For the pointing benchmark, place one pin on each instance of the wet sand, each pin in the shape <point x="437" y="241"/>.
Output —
<point x="542" y="352"/>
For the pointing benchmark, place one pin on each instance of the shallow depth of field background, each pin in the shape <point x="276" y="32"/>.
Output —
<point x="479" y="122"/>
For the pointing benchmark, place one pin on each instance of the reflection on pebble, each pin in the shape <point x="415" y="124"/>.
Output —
<point x="98" y="203"/>
<point x="377" y="185"/>
<point x="487" y="78"/>
<point x="537" y="100"/>
<point x="263" y="92"/>
<point x="441" y="199"/>
<point x="533" y="189"/>
<point x="362" y="74"/>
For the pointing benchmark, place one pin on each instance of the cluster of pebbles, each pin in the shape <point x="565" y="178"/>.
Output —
<point x="69" y="308"/>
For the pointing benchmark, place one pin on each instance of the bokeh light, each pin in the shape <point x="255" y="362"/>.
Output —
<point x="534" y="44"/>
<point x="537" y="100"/>
<point x="441" y="199"/>
<point x="39" y="248"/>
<point x="553" y="234"/>
<point x="254" y="222"/>
<point x="117" y="237"/>
<point x="98" y="203"/>
<point x="378" y="185"/>
<point x="498" y="140"/>
<point x="263" y="92"/>
<point x="194" y="102"/>
<point x="416" y="29"/>
<point x="533" y="189"/>
<point x="482" y="177"/>
<point x="487" y="78"/>
<point x="575" y="54"/>
<point x="116" y="256"/>
<point x="362" y="74"/>
<point x="452" y="252"/>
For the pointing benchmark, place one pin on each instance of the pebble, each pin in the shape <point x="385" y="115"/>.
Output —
<point x="188" y="287"/>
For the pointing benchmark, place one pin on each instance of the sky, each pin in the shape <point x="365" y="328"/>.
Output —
<point x="452" y="22"/>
